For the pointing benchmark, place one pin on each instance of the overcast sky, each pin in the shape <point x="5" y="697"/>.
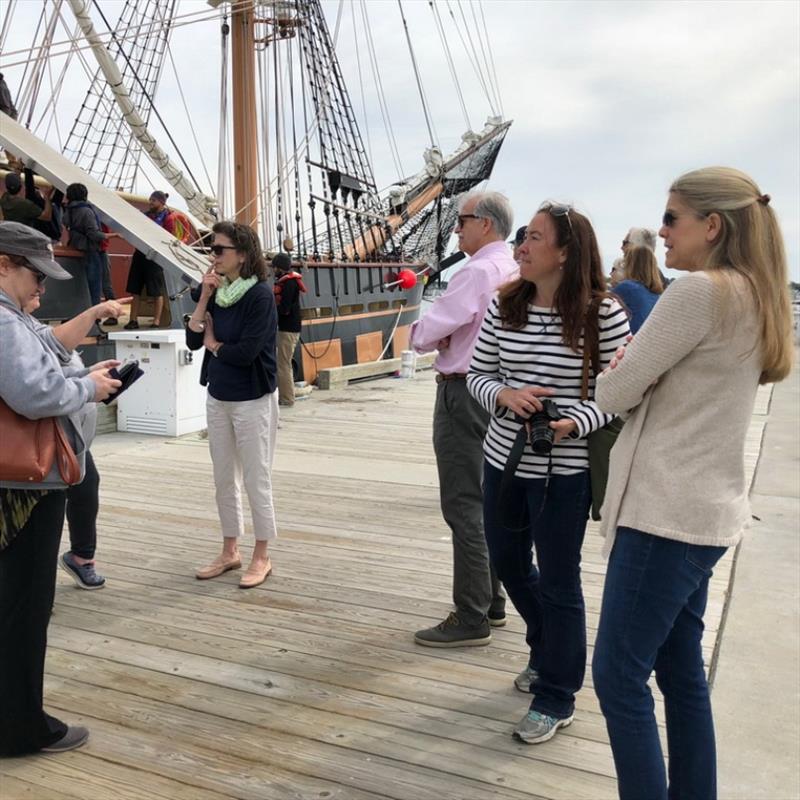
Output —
<point x="610" y="100"/>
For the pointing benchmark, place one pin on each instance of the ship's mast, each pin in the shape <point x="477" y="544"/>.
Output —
<point x="245" y="136"/>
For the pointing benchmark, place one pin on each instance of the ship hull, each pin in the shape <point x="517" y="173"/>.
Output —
<point x="349" y="314"/>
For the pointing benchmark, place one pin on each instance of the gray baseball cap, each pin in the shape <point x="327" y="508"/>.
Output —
<point x="17" y="239"/>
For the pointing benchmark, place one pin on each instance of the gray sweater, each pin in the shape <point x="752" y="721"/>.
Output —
<point x="677" y="469"/>
<point x="34" y="383"/>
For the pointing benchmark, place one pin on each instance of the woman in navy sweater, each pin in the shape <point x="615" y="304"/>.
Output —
<point x="236" y="321"/>
<point x="641" y="286"/>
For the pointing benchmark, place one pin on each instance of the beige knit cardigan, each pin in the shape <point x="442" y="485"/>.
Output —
<point x="677" y="468"/>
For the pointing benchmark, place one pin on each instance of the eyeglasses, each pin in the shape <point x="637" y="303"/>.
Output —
<point x="40" y="276"/>
<point x="462" y="217"/>
<point x="219" y="249"/>
<point x="558" y="210"/>
<point x="670" y="217"/>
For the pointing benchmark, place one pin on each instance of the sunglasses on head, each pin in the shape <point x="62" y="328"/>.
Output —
<point x="219" y="249"/>
<point x="558" y="210"/>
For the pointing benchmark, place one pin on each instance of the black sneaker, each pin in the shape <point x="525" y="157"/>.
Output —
<point x="454" y="633"/>
<point x="83" y="574"/>
<point x="497" y="619"/>
<point x="133" y="325"/>
<point x="110" y="321"/>
<point x="76" y="736"/>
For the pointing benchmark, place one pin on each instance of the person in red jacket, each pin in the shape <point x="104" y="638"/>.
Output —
<point x="288" y="288"/>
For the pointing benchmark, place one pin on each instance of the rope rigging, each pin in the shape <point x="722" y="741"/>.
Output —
<point x="450" y="63"/>
<point x="423" y="98"/>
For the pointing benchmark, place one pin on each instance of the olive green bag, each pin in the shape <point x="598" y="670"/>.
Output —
<point x="602" y="440"/>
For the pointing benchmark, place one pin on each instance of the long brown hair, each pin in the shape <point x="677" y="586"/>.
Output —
<point x="750" y="244"/>
<point x="640" y="265"/>
<point x="245" y="240"/>
<point x="582" y="282"/>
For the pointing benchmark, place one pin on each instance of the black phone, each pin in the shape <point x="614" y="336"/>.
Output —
<point x="128" y="373"/>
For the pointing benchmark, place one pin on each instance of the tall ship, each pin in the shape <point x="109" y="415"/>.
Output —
<point x="291" y="157"/>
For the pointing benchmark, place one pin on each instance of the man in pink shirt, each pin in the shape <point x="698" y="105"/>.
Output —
<point x="451" y="326"/>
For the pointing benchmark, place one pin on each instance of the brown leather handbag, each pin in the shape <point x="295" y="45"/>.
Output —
<point x="28" y="448"/>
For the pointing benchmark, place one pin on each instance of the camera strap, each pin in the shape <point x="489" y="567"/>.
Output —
<point x="504" y="505"/>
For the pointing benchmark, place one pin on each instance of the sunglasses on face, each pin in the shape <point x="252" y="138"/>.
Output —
<point x="40" y="276"/>
<point x="462" y="217"/>
<point x="219" y="249"/>
<point x="670" y="217"/>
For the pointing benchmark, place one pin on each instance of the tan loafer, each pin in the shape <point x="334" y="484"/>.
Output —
<point x="255" y="576"/>
<point x="217" y="567"/>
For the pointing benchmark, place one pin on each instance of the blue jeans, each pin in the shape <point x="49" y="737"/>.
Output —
<point x="652" y="618"/>
<point x="549" y="598"/>
<point x="94" y="274"/>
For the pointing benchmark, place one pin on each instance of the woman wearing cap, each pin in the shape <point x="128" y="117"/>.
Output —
<point x="34" y="385"/>
<point x="236" y="321"/>
<point x="531" y="347"/>
<point x="677" y="494"/>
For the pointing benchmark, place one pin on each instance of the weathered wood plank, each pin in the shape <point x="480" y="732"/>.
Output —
<point x="309" y="686"/>
<point x="334" y="377"/>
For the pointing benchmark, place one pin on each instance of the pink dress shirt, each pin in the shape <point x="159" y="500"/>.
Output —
<point x="459" y="312"/>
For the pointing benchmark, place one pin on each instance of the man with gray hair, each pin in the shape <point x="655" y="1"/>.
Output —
<point x="451" y="326"/>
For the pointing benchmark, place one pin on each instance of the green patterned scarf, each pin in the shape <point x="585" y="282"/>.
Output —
<point x="16" y="507"/>
<point x="231" y="292"/>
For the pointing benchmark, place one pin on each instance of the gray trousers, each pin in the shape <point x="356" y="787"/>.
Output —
<point x="459" y="425"/>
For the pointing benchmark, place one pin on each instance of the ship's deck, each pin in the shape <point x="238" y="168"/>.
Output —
<point x="309" y="686"/>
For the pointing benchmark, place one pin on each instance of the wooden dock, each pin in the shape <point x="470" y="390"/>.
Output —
<point x="309" y="686"/>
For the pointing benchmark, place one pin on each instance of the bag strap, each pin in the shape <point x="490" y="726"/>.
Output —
<point x="591" y="345"/>
<point x="68" y="466"/>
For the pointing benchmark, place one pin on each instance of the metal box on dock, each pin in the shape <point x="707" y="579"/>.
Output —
<point x="168" y="399"/>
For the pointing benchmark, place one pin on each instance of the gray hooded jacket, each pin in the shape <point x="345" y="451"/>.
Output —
<point x="35" y="384"/>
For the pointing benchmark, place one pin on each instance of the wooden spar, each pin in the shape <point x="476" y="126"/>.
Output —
<point x="377" y="235"/>
<point x="245" y="138"/>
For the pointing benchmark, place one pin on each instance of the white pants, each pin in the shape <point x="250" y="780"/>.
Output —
<point x="241" y="437"/>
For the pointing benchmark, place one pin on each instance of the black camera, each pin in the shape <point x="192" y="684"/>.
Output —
<point x="541" y="434"/>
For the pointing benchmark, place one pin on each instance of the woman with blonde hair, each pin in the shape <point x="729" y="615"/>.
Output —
<point x="641" y="285"/>
<point x="677" y="494"/>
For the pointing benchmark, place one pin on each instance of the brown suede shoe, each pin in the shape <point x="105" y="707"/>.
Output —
<point x="255" y="575"/>
<point x="217" y="567"/>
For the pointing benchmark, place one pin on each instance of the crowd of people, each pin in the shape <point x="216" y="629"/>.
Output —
<point x="535" y="371"/>
<point x="538" y="354"/>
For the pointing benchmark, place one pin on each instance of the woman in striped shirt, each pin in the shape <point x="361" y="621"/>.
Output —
<point x="531" y="348"/>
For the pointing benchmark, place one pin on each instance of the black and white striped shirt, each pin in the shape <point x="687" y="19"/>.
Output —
<point x="536" y="356"/>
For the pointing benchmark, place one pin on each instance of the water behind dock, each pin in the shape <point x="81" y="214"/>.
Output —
<point x="309" y="686"/>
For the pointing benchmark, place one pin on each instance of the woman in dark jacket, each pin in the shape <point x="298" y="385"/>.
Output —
<point x="34" y="385"/>
<point x="236" y="321"/>
<point x="85" y="235"/>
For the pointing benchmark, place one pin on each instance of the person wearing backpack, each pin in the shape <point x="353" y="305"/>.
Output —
<point x="86" y="235"/>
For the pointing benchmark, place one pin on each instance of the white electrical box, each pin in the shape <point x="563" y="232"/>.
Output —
<point x="168" y="399"/>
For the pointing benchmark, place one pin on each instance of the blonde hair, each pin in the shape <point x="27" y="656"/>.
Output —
<point x="751" y="244"/>
<point x="640" y="265"/>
